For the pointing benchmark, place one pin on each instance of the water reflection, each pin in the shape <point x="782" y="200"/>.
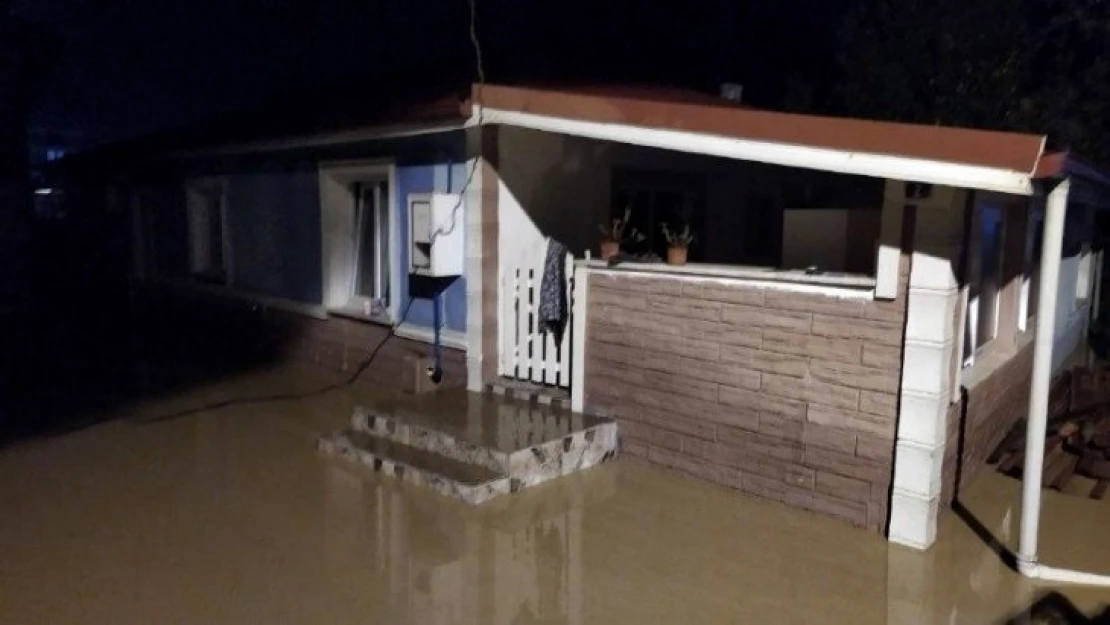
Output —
<point x="435" y="563"/>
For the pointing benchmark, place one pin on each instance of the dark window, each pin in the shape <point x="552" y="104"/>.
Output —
<point x="655" y="198"/>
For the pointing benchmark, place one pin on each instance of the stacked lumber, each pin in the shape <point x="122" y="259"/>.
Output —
<point x="1077" y="440"/>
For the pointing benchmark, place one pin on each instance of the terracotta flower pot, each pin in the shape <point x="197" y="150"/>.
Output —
<point x="676" y="255"/>
<point x="609" y="249"/>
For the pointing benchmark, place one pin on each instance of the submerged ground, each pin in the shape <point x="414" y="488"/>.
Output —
<point x="230" y="516"/>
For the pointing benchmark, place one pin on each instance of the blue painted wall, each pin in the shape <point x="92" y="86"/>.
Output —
<point x="421" y="179"/>
<point x="274" y="219"/>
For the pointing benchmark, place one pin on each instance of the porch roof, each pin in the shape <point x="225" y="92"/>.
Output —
<point x="669" y="119"/>
<point x="982" y="159"/>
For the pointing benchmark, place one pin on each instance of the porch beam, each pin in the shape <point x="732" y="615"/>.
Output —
<point x="805" y="157"/>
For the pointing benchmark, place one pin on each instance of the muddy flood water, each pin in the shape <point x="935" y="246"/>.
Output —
<point x="230" y="516"/>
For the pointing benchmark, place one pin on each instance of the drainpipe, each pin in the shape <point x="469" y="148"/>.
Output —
<point x="1028" y="565"/>
<point x="437" y="350"/>
<point x="1098" y="285"/>
<point x="436" y="374"/>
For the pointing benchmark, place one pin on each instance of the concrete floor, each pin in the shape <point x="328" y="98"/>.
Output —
<point x="230" y="516"/>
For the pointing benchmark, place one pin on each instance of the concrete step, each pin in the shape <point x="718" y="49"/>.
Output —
<point x="467" y="482"/>
<point x="529" y="443"/>
<point x="530" y="392"/>
<point x="491" y="436"/>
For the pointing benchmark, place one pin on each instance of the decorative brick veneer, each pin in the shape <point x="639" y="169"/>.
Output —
<point x="782" y="394"/>
<point x="994" y="405"/>
<point x="335" y="345"/>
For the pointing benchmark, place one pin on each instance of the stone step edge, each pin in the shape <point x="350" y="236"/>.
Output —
<point x="524" y="465"/>
<point x="397" y="430"/>
<point x="531" y="396"/>
<point x="340" y="445"/>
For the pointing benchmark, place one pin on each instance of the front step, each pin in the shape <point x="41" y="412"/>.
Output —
<point x="470" y="483"/>
<point x="525" y="443"/>
<point x="530" y="392"/>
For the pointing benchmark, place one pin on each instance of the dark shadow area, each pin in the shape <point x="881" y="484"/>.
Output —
<point x="1053" y="608"/>
<point x="87" y="342"/>
<point x="961" y="442"/>
<point x="984" y="533"/>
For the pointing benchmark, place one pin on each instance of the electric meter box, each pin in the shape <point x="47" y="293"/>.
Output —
<point x="436" y="231"/>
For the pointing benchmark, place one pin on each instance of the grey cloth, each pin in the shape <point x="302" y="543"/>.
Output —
<point x="553" y="289"/>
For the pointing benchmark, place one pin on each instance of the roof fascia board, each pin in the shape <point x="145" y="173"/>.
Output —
<point x="806" y="157"/>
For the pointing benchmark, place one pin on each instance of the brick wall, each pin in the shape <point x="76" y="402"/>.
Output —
<point x="993" y="406"/>
<point x="786" y="395"/>
<point x="335" y="345"/>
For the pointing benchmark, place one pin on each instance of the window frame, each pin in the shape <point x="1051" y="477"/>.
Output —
<point x="195" y="190"/>
<point x="340" y="234"/>
<point x="144" y="255"/>
<point x="975" y="275"/>
<point x="382" y="250"/>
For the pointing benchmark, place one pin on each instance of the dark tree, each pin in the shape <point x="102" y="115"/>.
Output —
<point x="1033" y="65"/>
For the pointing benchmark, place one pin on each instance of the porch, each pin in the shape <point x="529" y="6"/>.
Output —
<point x="239" y="521"/>
<point x="856" y="291"/>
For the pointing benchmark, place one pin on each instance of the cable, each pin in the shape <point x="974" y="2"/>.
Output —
<point x="365" y="364"/>
<point x="440" y="231"/>
<point x="265" y="399"/>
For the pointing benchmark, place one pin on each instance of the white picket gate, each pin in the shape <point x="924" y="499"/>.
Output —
<point x="528" y="351"/>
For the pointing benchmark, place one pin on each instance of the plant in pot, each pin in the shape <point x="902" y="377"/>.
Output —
<point x="612" y="235"/>
<point x="678" y="243"/>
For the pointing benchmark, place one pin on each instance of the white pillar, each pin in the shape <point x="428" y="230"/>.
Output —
<point x="1051" y="250"/>
<point x="578" y="346"/>
<point x="930" y="347"/>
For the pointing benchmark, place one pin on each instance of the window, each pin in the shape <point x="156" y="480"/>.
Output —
<point x="1079" y="226"/>
<point x="144" y="262"/>
<point x="657" y="198"/>
<point x="1030" y="282"/>
<point x="208" y="240"/>
<point x="984" y="277"/>
<point x="53" y="154"/>
<point x="360" y="239"/>
<point x="370" y="246"/>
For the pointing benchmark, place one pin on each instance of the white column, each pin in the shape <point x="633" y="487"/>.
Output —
<point x="472" y="197"/>
<point x="1097" y="303"/>
<point x="929" y="350"/>
<point x="1055" y="214"/>
<point x="578" y="346"/>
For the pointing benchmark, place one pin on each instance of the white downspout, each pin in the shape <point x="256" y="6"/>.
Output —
<point x="1098" y="284"/>
<point x="1055" y="213"/>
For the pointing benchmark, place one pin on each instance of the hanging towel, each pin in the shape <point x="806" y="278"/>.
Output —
<point x="553" y="289"/>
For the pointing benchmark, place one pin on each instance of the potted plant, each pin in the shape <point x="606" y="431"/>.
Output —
<point x="612" y="235"/>
<point x="678" y="243"/>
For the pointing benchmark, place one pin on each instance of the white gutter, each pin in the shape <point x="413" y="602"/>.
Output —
<point x="824" y="159"/>
<point x="1028" y="565"/>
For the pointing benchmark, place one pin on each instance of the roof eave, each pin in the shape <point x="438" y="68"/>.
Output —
<point x="885" y="166"/>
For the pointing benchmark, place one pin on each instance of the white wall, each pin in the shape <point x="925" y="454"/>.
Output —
<point x="562" y="184"/>
<point x="831" y="239"/>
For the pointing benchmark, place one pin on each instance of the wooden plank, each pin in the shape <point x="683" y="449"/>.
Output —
<point x="1099" y="469"/>
<point x="520" y="325"/>
<point x="1099" y="489"/>
<point x="550" y="348"/>
<point x="565" y="350"/>
<point x="1011" y="460"/>
<point x="535" y="335"/>
<point x="1066" y="470"/>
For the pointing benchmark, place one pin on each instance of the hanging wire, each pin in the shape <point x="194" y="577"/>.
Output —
<point x="365" y="364"/>
<point x="444" y="230"/>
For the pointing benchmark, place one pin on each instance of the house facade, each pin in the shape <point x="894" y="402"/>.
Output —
<point x="852" y="334"/>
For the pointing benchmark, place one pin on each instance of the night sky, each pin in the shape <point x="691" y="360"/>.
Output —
<point x="131" y="67"/>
